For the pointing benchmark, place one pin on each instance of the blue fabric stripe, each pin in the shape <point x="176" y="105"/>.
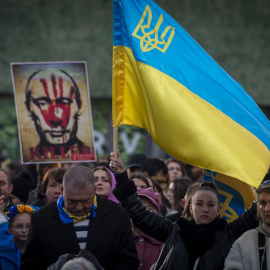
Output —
<point x="81" y="228"/>
<point x="82" y="239"/>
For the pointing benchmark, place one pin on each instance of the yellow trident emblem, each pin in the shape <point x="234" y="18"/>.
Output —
<point x="150" y="40"/>
<point x="225" y="206"/>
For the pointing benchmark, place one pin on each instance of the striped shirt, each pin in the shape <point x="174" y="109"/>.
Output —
<point x="81" y="229"/>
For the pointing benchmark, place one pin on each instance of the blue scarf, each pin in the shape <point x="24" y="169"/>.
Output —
<point x="67" y="217"/>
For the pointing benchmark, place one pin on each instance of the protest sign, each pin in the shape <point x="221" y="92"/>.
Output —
<point x="53" y="111"/>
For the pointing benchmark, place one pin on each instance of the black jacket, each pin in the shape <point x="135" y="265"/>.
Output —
<point x="10" y="203"/>
<point x="109" y="238"/>
<point x="174" y="254"/>
<point x="40" y="200"/>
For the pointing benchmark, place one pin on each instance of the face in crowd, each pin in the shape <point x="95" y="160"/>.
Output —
<point x="5" y="186"/>
<point x="170" y="194"/>
<point x="264" y="209"/>
<point x="53" y="191"/>
<point x="103" y="183"/>
<point x="51" y="183"/>
<point x="78" y="201"/>
<point x="139" y="183"/>
<point x="162" y="179"/>
<point x="19" y="227"/>
<point x="54" y="103"/>
<point x="204" y="206"/>
<point x="174" y="170"/>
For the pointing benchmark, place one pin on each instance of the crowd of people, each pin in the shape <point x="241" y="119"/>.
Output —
<point x="150" y="214"/>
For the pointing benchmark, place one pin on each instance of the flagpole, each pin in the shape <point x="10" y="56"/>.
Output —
<point x="115" y="141"/>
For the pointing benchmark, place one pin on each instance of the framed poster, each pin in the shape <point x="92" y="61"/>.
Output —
<point x="53" y="111"/>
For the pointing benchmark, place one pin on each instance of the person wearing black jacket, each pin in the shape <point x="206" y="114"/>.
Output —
<point x="203" y="242"/>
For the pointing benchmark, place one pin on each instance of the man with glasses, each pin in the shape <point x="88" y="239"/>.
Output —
<point x="252" y="250"/>
<point x="80" y="220"/>
<point x="157" y="170"/>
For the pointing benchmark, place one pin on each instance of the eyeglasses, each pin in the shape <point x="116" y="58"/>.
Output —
<point x="20" y="227"/>
<point x="266" y="182"/>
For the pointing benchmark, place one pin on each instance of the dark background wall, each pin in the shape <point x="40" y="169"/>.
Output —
<point x="236" y="33"/>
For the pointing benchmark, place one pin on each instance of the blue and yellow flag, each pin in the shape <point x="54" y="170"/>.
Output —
<point x="236" y="196"/>
<point x="164" y="82"/>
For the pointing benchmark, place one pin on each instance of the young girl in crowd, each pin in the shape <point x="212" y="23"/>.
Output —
<point x="201" y="242"/>
<point x="14" y="228"/>
<point x="105" y="183"/>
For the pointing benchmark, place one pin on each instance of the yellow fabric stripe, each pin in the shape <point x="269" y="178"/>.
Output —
<point x="181" y="123"/>
<point x="75" y="218"/>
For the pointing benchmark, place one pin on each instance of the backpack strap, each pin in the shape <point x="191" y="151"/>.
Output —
<point x="262" y="251"/>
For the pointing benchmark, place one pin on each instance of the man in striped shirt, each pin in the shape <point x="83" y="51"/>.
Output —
<point x="79" y="220"/>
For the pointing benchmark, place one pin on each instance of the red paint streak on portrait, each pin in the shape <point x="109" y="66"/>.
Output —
<point x="57" y="113"/>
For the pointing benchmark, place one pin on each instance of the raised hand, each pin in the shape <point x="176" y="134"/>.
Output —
<point x="116" y="163"/>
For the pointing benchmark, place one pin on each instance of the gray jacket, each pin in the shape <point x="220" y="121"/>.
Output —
<point x="244" y="253"/>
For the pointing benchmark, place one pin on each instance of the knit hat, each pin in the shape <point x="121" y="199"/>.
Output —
<point x="136" y="160"/>
<point x="21" y="187"/>
<point x="28" y="176"/>
<point x="151" y="195"/>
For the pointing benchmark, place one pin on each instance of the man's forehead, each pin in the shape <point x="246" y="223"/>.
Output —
<point x="52" y="85"/>
<point x="3" y="177"/>
<point x="75" y="193"/>
<point x="264" y="196"/>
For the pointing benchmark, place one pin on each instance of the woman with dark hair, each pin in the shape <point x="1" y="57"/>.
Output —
<point x="202" y="242"/>
<point x="140" y="180"/>
<point x="51" y="186"/>
<point x="176" y="194"/>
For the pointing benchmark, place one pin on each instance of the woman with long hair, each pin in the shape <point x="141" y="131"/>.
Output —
<point x="201" y="242"/>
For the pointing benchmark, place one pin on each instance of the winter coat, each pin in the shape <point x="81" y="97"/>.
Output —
<point x="174" y="254"/>
<point x="148" y="250"/>
<point x="10" y="256"/>
<point x="244" y="254"/>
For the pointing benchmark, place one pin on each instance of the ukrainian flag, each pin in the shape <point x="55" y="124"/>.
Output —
<point x="164" y="82"/>
<point x="235" y="196"/>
